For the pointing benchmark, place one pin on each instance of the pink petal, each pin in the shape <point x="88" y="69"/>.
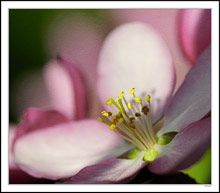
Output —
<point x="35" y="119"/>
<point x="165" y="21"/>
<point x="66" y="88"/>
<point x="134" y="56"/>
<point x="78" y="40"/>
<point x="193" y="99"/>
<point x="62" y="150"/>
<point x="195" y="31"/>
<point x="109" y="172"/>
<point x="187" y="147"/>
<point x="17" y="176"/>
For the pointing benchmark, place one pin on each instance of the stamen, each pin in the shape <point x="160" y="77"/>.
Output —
<point x="111" y="101"/>
<point x="130" y="106"/>
<point x="104" y="113"/>
<point x="121" y="94"/>
<point x="110" y="113"/>
<point x="103" y="121"/>
<point x="112" y="126"/>
<point x="137" y="114"/>
<point x="120" y="120"/>
<point x="132" y="91"/>
<point x="136" y="126"/>
<point x="148" y="98"/>
<point x="145" y="110"/>
<point x="119" y="100"/>
<point x="137" y="99"/>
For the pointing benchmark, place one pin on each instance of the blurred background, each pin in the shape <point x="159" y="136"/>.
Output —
<point x="38" y="36"/>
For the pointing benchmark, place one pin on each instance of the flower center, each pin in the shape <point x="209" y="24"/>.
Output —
<point x="133" y="125"/>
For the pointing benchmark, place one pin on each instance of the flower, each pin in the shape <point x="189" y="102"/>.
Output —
<point x="45" y="90"/>
<point x="51" y="146"/>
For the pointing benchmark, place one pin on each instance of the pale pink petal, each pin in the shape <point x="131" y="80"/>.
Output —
<point x="187" y="147"/>
<point x="62" y="150"/>
<point x="134" y="56"/>
<point x="66" y="88"/>
<point x="35" y="119"/>
<point x="195" y="31"/>
<point x="17" y="176"/>
<point x="165" y="21"/>
<point x="193" y="99"/>
<point x="78" y="39"/>
<point x="109" y="172"/>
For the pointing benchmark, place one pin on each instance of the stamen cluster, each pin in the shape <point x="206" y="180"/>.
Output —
<point x="135" y="124"/>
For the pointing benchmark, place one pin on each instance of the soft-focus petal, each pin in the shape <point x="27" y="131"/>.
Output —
<point x="35" y="119"/>
<point x="165" y="21"/>
<point x="12" y="133"/>
<point x="29" y="91"/>
<point x="109" y="171"/>
<point x="17" y="176"/>
<point x="187" y="147"/>
<point x="78" y="39"/>
<point x="134" y="56"/>
<point x="62" y="150"/>
<point x="66" y="88"/>
<point x="195" y="31"/>
<point x="193" y="99"/>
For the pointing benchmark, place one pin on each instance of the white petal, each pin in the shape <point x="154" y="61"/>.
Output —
<point x="134" y="56"/>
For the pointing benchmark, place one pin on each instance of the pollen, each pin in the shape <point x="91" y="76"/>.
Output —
<point x="132" y="91"/>
<point x="121" y="94"/>
<point x="112" y="127"/>
<point x="104" y="113"/>
<point x="130" y="106"/>
<point x="109" y="101"/>
<point x="132" y="121"/>
<point x="148" y="98"/>
<point x="137" y="99"/>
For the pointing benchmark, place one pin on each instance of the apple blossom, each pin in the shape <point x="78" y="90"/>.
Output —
<point x="49" y="145"/>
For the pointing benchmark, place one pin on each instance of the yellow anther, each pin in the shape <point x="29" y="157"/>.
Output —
<point x="112" y="126"/>
<point x="104" y="113"/>
<point x="130" y="106"/>
<point x="148" y="98"/>
<point x="120" y="120"/>
<point x="118" y="99"/>
<point x="119" y="114"/>
<point x="132" y="91"/>
<point x="110" y="113"/>
<point x="109" y="101"/>
<point x="112" y="101"/>
<point x="121" y="94"/>
<point x="138" y="100"/>
<point x="100" y="119"/>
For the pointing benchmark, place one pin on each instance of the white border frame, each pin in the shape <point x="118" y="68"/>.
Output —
<point x="5" y="6"/>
